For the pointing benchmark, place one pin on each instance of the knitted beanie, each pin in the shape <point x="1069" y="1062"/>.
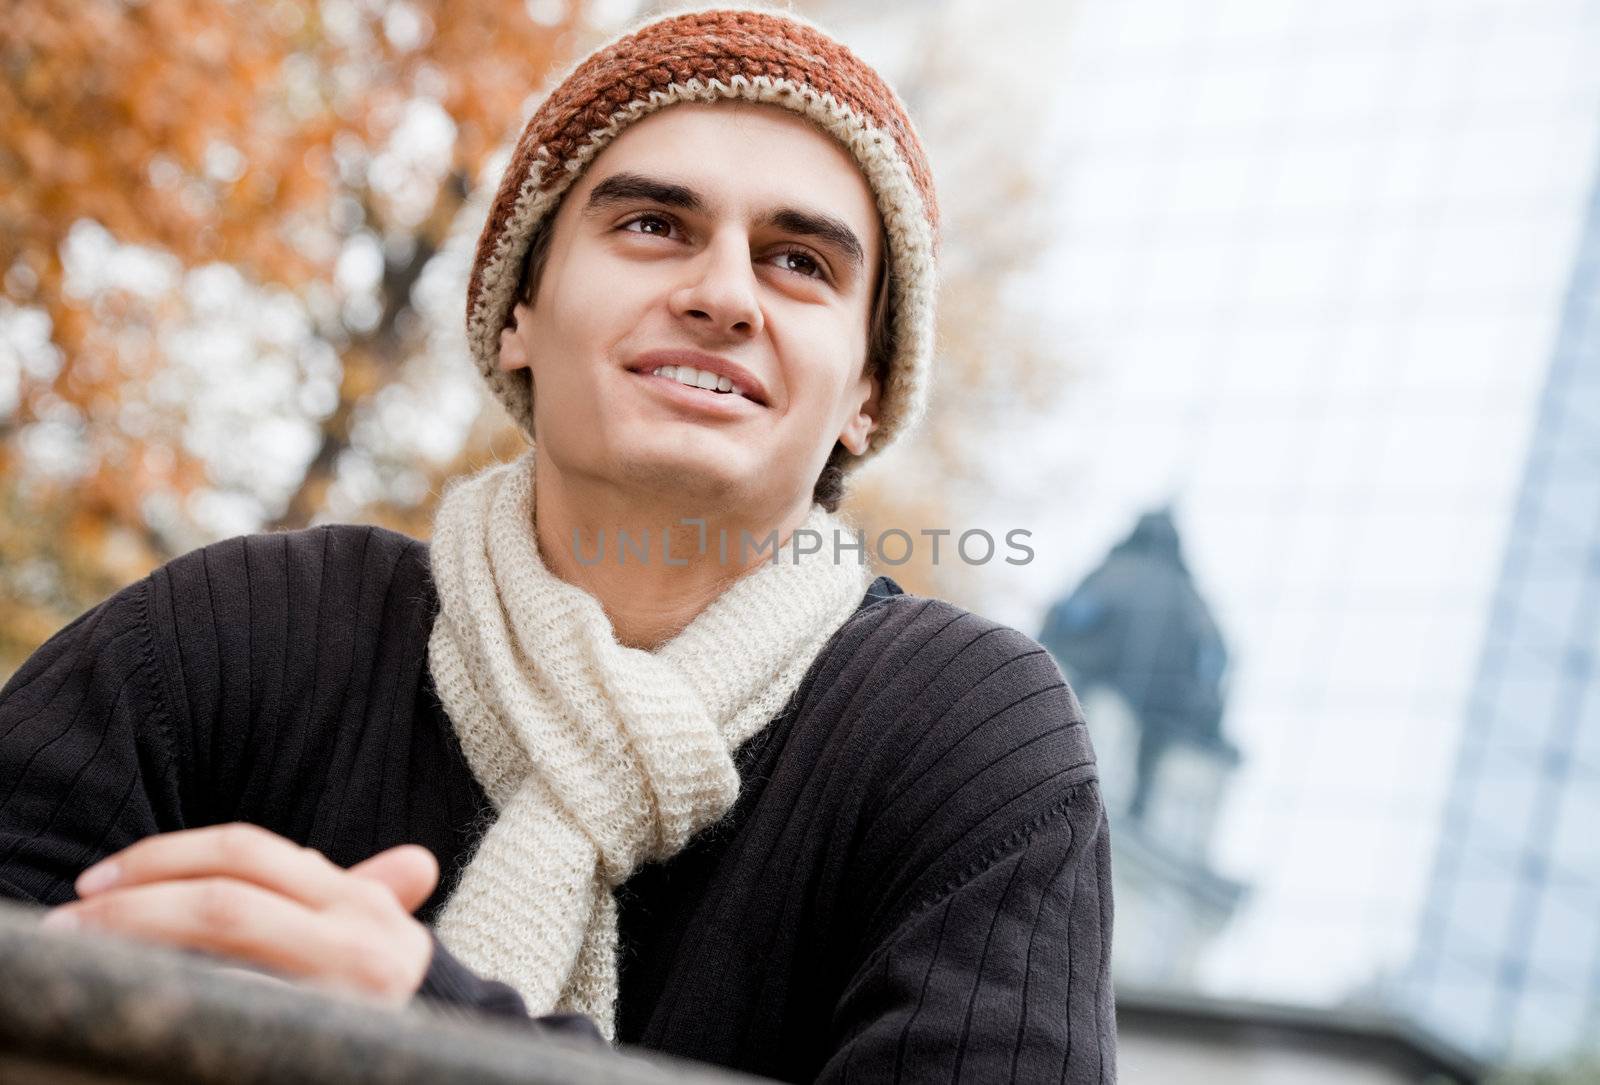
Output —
<point x="702" y="55"/>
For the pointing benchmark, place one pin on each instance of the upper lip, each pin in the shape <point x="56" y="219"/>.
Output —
<point x="744" y="382"/>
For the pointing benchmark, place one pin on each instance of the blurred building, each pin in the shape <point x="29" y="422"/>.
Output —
<point x="1146" y="659"/>
<point x="1312" y="260"/>
<point x="1309" y="260"/>
<point x="1508" y="951"/>
<point x="1173" y="1037"/>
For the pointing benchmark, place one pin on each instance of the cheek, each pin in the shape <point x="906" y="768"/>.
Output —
<point x="601" y="304"/>
<point x="824" y="355"/>
<point x="581" y="320"/>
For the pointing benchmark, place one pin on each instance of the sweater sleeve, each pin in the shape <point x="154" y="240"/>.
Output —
<point x="1003" y="975"/>
<point x="86" y="751"/>
<point x="985" y="892"/>
<point x="87" y="768"/>
<point x="451" y="986"/>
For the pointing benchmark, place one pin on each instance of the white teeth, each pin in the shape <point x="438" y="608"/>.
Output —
<point x="694" y="378"/>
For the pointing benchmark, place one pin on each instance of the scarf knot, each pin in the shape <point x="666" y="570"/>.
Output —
<point x="597" y="757"/>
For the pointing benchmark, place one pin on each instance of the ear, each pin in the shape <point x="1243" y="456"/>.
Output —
<point x="513" y="351"/>
<point x="859" y="427"/>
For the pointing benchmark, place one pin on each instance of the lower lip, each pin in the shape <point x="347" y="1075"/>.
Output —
<point x="716" y="404"/>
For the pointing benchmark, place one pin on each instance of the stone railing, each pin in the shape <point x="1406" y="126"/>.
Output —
<point x="83" y="1008"/>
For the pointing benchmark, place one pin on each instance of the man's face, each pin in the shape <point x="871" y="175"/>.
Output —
<point x="727" y="231"/>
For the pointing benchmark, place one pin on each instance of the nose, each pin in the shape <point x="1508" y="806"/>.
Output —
<point x="719" y="293"/>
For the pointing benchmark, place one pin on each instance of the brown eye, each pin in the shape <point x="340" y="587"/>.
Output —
<point x="659" y="220"/>
<point x="808" y="265"/>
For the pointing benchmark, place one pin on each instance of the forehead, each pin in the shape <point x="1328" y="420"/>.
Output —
<point x="743" y="156"/>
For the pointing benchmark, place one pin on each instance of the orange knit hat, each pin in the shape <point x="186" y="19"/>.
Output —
<point x="702" y="55"/>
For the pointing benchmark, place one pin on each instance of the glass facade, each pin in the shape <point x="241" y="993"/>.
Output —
<point x="1508" y="952"/>
<point x="1311" y="262"/>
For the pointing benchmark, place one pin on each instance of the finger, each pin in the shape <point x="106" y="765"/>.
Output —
<point x="217" y="915"/>
<point x="409" y="871"/>
<point x="238" y="851"/>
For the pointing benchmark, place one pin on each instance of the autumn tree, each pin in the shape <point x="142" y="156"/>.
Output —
<point x="214" y="221"/>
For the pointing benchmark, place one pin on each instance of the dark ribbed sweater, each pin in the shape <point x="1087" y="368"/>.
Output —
<point x="914" y="884"/>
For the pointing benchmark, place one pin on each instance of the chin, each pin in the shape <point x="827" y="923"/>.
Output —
<point x="687" y="474"/>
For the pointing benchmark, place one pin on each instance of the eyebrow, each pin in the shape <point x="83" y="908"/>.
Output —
<point x="633" y="187"/>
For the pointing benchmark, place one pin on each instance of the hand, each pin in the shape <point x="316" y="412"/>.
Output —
<point x="244" y="892"/>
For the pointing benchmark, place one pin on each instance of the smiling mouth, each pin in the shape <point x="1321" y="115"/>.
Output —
<point x="700" y="384"/>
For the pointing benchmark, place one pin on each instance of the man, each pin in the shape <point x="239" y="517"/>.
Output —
<point x="725" y="798"/>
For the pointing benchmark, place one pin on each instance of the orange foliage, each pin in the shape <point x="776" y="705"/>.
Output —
<point x="207" y="132"/>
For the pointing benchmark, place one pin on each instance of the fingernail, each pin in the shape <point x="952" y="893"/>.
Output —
<point x="60" y="921"/>
<point x="96" y="878"/>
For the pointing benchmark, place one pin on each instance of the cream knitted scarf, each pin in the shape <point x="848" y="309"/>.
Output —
<point x="597" y="756"/>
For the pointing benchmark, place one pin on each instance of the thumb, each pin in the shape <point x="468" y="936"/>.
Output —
<point x="409" y="871"/>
